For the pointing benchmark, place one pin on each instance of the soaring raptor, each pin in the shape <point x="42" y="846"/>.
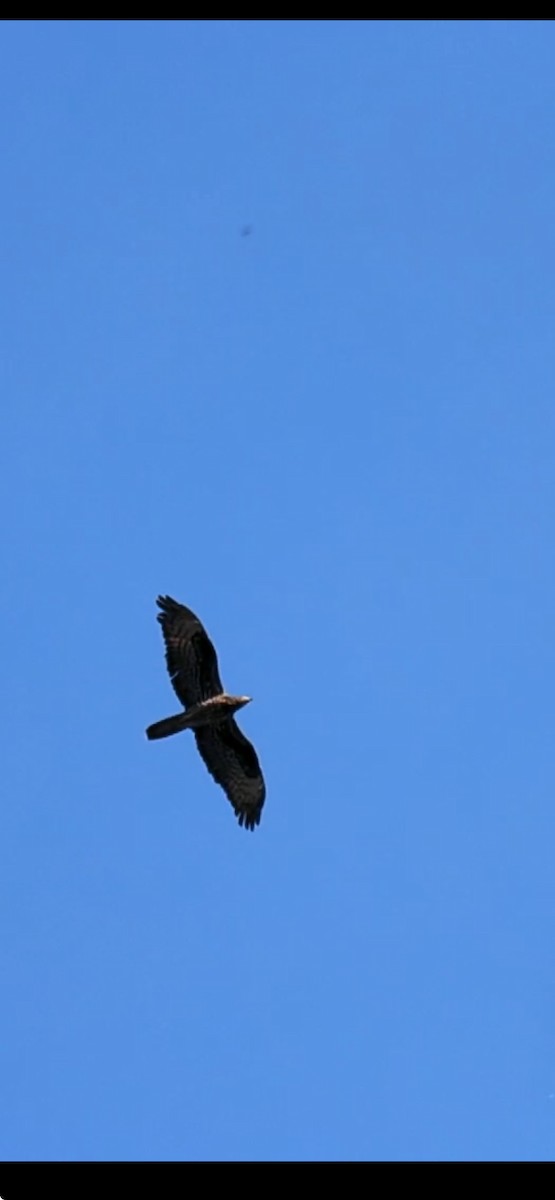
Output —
<point x="193" y="669"/>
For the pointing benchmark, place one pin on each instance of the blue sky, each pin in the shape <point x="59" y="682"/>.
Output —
<point x="335" y="440"/>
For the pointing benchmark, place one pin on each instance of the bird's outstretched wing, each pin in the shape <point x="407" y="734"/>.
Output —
<point x="190" y="656"/>
<point x="233" y="763"/>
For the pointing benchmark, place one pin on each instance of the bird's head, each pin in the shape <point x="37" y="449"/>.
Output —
<point x="237" y="702"/>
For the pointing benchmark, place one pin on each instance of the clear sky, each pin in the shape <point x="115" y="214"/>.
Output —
<point x="334" y="439"/>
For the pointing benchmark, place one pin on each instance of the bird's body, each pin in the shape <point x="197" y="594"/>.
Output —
<point x="208" y="711"/>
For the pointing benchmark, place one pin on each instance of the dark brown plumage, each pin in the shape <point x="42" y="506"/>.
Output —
<point x="193" y="668"/>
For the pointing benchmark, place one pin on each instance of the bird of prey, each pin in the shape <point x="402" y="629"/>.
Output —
<point x="193" y="669"/>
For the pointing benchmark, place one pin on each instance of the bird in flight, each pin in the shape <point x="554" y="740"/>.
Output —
<point x="209" y="711"/>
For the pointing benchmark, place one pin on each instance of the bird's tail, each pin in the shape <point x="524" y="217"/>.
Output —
<point x="165" y="728"/>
